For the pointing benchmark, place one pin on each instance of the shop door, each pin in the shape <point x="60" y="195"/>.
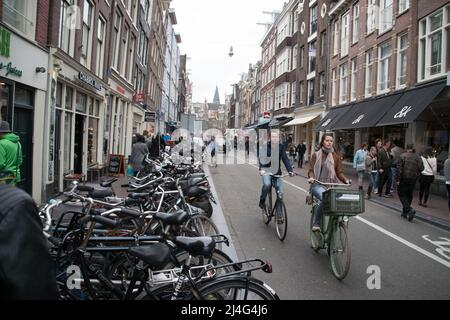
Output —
<point x="23" y="127"/>
<point x="79" y="134"/>
<point x="57" y="165"/>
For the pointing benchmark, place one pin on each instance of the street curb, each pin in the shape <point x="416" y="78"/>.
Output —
<point x="422" y="216"/>
<point x="218" y="217"/>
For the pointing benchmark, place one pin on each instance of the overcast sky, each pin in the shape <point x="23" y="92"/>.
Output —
<point x="208" y="28"/>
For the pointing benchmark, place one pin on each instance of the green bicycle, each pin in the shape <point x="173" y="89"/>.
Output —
<point x="338" y="205"/>
<point x="278" y="210"/>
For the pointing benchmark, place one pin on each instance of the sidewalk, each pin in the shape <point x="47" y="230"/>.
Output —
<point x="436" y="213"/>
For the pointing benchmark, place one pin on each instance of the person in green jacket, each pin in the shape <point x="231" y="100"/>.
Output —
<point x="10" y="155"/>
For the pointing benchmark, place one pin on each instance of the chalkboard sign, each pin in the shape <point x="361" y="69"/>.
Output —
<point x="116" y="164"/>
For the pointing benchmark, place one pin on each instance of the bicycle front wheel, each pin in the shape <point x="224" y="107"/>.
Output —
<point x="340" y="252"/>
<point x="238" y="288"/>
<point x="281" y="221"/>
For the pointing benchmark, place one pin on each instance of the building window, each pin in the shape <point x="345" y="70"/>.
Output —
<point x="145" y="8"/>
<point x="312" y="57"/>
<point x="87" y="33"/>
<point x="333" y="87"/>
<point x="343" y="83"/>
<point x="354" y="80"/>
<point x="336" y="38"/>
<point x="402" y="60"/>
<point x="371" y="16"/>
<point x="294" y="57"/>
<point x="302" y="56"/>
<point x="311" y="97"/>
<point x="403" y="5"/>
<point x="322" y="84"/>
<point x="434" y="34"/>
<point x="385" y="15"/>
<point x="131" y="57"/>
<point x="100" y="46"/>
<point x="345" y="31"/>
<point x="323" y="41"/>
<point x="66" y="33"/>
<point x="125" y="48"/>
<point x="302" y="89"/>
<point x="313" y="20"/>
<point x="21" y="15"/>
<point x="293" y="91"/>
<point x="369" y="73"/>
<point x="355" y="34"/>
<point x="384" y="55"/>
<point x="116" y="40"/>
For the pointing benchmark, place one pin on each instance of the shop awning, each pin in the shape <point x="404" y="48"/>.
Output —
<point x="334" y="115"/>
<point x="367" y="113"/>
<point x="411" y="104"/>
<point x="303" y="119"/>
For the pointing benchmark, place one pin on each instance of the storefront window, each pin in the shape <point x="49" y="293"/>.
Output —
<point x="23" y="97"/>
<point x="92" y="141"/>
<point x="58" y="95"/>
<point x="81" y="102"/>
<point x="439" y="140"/>
<point x="91" y="106"/>
<point x="96" y="108"/>
<point x="4" y="101"/>
<point x="67" y="141"/>
<point x="344" y="144"/>
<point x="69" y="98"/>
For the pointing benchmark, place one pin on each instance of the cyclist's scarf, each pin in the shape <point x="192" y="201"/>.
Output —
<point x="326" y="172"/>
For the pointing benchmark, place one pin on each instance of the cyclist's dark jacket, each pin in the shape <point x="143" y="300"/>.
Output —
<point x="26" y="269"/>
<point x="283" y="157"/>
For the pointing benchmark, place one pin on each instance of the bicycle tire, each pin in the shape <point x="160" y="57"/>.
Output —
<point x="340" y="252"/>
<point x="237" y="288"/>
<point x="202" y="226"/>
<point x="315" y="237"/>
<point x="282" y="227"/>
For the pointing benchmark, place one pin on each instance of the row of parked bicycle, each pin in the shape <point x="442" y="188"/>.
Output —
<point x="158" y="243"/>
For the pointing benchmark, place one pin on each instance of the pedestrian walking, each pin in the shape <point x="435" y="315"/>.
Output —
<point x="427" y="175"/>
<point x="26" y="269"/>
<point x="213" y="151"/>
<point x="409" y="168"/>
<point x="359" y="164"/>
<point x="371" y="169"/>
<point x="378" y="145"/>
<point x="384" y="168"/>
<point x="10" y="155"/>
<point x="291" y="149"/>
<point x="301" y="150"/>
<point x="447" y="181"/>
<point x="396" y="151"/>
<point x="138" y="154"/>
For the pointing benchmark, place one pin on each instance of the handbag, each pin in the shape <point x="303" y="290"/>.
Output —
<point x="361" y="166"/>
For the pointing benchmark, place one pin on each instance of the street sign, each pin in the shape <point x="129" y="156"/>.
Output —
<point x="266" y="114"/>
<point x="150" y="116"/>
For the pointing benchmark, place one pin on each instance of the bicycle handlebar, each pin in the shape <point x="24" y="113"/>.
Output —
<point x="333" y="184"/>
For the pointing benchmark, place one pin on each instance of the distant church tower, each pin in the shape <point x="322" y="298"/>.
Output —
<point x="216" y="99"/>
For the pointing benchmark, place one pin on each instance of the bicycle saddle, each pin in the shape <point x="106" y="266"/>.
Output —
<point x="198" y="246"/>
<point x="108" y="183"/>
<point x="176" y="218"/>
<point x="156" y="256"/>
<point x="100" y="193"/>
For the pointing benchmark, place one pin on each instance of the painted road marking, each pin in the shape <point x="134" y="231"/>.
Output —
<point x="388" y="233"/>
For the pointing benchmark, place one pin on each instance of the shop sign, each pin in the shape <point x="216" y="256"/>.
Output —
<point x="402" y="113"/>
<point x="5" y="42"/>
<point x="10" y="70"/>
<point x="326" y="123"/>
<point x="357" y="120"/>
<point x="89" y="80"/>
<point x="121" y="90"/>
<point x="139" y="97"/>
<point x="150" y="116"/>
<point x="266" y="115"/>
<point x="448" y="78"/>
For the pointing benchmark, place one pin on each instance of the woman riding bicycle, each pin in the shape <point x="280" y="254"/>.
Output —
<point x="325" y="166"/>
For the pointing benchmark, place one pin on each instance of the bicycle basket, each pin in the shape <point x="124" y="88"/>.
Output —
<point x="343" y="202"/>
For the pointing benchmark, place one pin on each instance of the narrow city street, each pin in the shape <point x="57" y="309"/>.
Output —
<point x="411" y="266"/>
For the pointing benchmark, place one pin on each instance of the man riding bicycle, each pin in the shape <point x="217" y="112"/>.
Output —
<point x="267" y="179"/>
<point x="325" y="166"/>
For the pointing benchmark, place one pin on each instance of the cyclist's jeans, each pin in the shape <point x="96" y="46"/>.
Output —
<point x="267" y="184"/>
<point x="317" y="191"/>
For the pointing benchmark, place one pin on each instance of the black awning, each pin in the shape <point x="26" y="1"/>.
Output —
<point x="411" y="104"/>
<point x="367" y="113"/>
<point x="332" y="117"/>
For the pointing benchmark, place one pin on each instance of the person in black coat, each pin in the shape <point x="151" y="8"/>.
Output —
<point x="26" y="269"/>
<point x="301" y="149"/>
